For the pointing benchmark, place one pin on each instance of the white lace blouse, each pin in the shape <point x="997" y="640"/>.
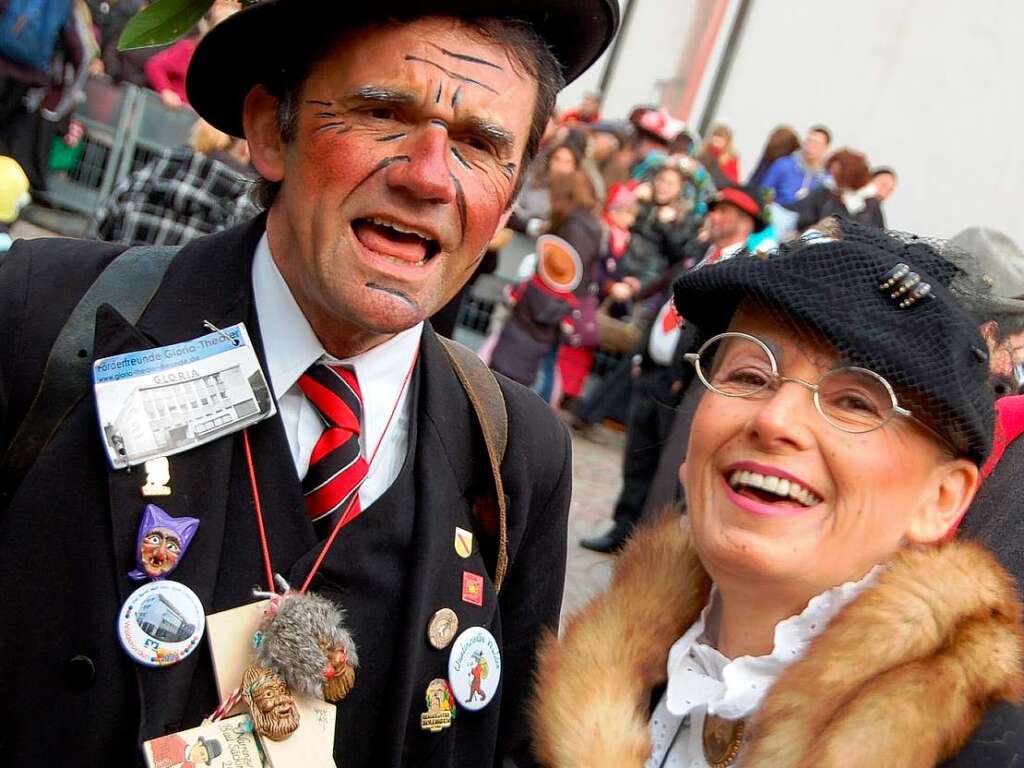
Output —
<point x="702" y="681"/>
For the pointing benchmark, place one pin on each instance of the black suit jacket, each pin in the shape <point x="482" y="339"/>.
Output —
<point x="67" y="537"/>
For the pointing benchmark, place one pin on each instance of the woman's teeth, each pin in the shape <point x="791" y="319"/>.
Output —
<point x="777" y="486"/>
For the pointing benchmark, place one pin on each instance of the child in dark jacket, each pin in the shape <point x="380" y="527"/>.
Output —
<point x="544" y="310"/>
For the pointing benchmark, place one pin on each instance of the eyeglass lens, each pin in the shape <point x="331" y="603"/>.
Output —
<point x="850" y="398"/>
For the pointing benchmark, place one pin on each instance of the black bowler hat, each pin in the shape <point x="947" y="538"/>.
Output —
<point x="254" y="44"/>
<point x="883" y="301"/>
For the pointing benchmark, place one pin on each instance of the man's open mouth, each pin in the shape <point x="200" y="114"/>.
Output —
<point x="771" y="489"/>
<point x="395" y="241"/>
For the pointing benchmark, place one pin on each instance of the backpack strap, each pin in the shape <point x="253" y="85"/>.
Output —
<point x="128" y="283"/>
<point x="489" y="406"/>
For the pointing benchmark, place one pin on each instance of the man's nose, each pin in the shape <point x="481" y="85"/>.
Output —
<point x="427" y="174"/>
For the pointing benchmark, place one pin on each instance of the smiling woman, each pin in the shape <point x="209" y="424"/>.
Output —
<point x="812" y="609"/>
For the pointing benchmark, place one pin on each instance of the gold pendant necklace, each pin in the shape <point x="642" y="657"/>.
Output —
<point x="722" y="740"/>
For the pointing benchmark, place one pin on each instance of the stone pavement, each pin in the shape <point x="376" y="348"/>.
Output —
<point x="596" y="476"/>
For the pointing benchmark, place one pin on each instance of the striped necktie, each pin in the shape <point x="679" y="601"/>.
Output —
<point x="336" y="466"/>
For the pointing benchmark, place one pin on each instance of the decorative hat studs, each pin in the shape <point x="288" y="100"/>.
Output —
<point x="904" y="287"/>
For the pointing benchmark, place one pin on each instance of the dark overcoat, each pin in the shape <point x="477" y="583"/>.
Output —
<point x="71" y="695"/>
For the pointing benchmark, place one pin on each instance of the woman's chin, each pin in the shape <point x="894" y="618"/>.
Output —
<point x="750" y="553"/>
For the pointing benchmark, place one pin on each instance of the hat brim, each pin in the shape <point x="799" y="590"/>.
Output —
<point x="251" y="45"/>
<point x="759" y="222"/>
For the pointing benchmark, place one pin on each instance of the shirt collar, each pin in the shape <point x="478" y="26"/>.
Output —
<point x="698" y="675"/>
<point x="291" y="346"/>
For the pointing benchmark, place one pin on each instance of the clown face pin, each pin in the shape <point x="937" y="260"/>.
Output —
<point x="161" y="543"/>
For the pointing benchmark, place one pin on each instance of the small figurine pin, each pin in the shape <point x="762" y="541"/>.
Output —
<point x="161" y="543"/>
<point x="302" y="647"/>
<point x="158" y="475"/>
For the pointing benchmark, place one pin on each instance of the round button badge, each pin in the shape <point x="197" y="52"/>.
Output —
<point x="474" y="668"/>
<point x="161" y="623"/>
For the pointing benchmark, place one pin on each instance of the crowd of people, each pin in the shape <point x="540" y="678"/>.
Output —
<point x="817" y="554"/>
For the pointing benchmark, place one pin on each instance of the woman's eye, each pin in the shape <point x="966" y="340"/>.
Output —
<point x="854" y="401"/>
<point x="750" y="376"/>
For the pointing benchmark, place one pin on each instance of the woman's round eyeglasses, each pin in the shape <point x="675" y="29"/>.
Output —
<point x="852" y="399"/>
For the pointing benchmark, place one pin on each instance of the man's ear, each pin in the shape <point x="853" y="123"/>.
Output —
<point x="954" y="485"/>
<point x="266" y="147"/>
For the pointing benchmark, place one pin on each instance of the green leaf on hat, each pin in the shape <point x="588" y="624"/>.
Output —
<point x="161" y="22"/>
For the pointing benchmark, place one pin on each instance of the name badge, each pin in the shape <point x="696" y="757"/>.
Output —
<point x="166" y="400"/>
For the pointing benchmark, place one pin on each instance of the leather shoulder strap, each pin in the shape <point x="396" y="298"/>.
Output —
<point x="489" y="406"/>
<point x="128" y="283"/>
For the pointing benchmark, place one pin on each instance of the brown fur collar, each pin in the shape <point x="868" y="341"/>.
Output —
<point x="900" y="677"/>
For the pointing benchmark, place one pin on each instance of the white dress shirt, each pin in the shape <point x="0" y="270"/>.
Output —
<point x="291" y="347"/>
<point x="701" y="680"/>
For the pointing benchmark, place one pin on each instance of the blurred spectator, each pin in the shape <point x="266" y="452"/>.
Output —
<point x="663" y="227"/>
<point x="794" y="176"/>
<point x="166" y="70"/>
<point x="542" y="311"/>
<point x="656" y="129"/>
<point x="718" y="156"/>
<point x="109" y="20"/>
<point x="574" y="218"/>
<point x="849" y="194"/>
<point x="36" y="103"/>
<point x="179" y="195"/>
<point x="782" y="142"/>
<point x="531" y="212"/>
<point x="588" y="112"/>
<point x="620" y="213"/>
<point x="615" y="168"/>
<point x="14" y="195"/>
<point x="884" y="178"/>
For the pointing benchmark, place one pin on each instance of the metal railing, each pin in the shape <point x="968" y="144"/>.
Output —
<point x="125" y="125"/>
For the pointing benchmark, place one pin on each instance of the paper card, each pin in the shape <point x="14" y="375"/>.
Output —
<point x="230" y="636"/>
<point x="166" y="400"/>
<point x="312" y="745"/>
<point x="228" y="743"/>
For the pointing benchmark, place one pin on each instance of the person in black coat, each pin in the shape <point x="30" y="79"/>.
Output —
<point x="376" y="215"/>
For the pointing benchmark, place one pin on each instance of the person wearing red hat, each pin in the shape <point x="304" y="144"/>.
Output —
<point x="391" y="141"/>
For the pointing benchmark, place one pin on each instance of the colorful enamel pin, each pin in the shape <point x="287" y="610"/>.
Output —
<point x="440" y="707"/>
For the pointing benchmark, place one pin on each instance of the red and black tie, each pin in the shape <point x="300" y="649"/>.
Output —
<point x="336" y="467"/>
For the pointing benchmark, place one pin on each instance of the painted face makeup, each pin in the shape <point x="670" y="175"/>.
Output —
<point x="408" y="143"/>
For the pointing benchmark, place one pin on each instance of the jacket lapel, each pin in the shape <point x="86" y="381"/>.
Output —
<point x="208" y="280"/>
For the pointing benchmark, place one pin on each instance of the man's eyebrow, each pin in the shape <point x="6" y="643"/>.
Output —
<point x="382" y="95"/>
<point x="502" y="138"/>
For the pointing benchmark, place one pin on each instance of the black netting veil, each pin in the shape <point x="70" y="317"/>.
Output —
<point x="917" y="331"/>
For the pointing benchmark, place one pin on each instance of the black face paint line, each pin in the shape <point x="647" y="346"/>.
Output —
<point x="385" y="163"/>
<point x="337" y="126"/>
<point x="456" y="97"/>
<point x="437" y="98"/>
<point x="438" y="123"/>
<point x="458" y="156"/>
<point x="509" y="169"/>
<point x="326" y="114"/>
<point x="392" y="137"/>
<point x="467" y="57"/>
<point x="460" y="200"/>
<point x="455" y="75"/>
<point x="320" y="103"/>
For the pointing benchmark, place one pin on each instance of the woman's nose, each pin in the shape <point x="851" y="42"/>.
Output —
<point x="784" y="417"/>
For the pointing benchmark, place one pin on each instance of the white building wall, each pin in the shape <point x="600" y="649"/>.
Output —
<point x="927" y="86"/>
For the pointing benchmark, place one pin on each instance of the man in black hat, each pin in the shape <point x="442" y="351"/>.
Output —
<point x="391" y="144"/>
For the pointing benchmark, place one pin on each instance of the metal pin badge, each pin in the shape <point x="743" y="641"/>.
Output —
<point x="442" y="627"/>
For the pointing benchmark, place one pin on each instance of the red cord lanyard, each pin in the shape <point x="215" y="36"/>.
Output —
<point x="343" y="519"/>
